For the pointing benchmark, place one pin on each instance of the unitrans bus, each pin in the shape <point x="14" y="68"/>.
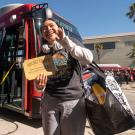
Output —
<point x="21" y="39"/>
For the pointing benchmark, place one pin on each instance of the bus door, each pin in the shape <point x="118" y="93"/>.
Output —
<point x="12" y="56"/>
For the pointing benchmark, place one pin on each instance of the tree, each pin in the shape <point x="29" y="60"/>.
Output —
<point x="131" y="13"/>
<point x="98" y="47"/>
<point x="131" y="54"/>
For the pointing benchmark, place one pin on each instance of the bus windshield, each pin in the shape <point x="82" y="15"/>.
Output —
<point x="69" y="28"/>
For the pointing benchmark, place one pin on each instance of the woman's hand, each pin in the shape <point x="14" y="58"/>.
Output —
<point x="40" y="81"/>
<point x="60" y="34"/>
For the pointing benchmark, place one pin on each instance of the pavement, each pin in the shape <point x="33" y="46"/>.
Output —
<point x="12" y="123"/>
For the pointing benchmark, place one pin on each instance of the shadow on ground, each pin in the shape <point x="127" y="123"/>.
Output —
<point x="12" y="116"/>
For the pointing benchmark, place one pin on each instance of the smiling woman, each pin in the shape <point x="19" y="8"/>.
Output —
<point x="63" y="92"/>
<point x="50" y="31"/>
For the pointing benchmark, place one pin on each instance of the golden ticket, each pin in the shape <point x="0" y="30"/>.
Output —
<point x="39" y="65"/>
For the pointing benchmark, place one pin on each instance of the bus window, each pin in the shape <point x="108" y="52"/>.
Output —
<point x="70" y="29"/>
<point x="0" y="37"/>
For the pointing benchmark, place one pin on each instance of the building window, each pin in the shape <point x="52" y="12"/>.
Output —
<point x="108" y="45"/>
<point x="129" y="43"/>
<point x="89" y="46"/>
<point x="105" y="45"/>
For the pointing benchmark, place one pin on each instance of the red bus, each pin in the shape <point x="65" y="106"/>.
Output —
<point x="20" y="39"/>
<point x="115" y="68"/>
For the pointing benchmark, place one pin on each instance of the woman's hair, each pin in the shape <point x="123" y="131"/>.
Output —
<point x="52" y="19"/>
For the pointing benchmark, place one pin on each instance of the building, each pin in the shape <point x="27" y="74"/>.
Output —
<point x="112" y="49"/>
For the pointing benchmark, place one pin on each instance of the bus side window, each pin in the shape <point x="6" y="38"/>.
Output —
<point x="0" y="38"/>
<point x="20" y="48"/>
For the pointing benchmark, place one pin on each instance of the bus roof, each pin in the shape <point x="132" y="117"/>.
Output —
<point x="7" y="12"/>
<point x="7" y="8"/>
<point x="13" y="9"/>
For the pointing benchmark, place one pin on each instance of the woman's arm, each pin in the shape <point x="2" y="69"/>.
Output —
<point x="82" y="54"/>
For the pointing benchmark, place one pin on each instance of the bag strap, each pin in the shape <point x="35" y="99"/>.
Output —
<point x="97" y="69"/>
<point x="95" y="65"/>
<point x="78" y="68"/>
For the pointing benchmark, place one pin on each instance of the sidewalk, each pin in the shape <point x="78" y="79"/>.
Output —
<point x="130" y="86"/>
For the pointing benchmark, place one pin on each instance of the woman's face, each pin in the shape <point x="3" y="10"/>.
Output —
<point x="50" y="31"/>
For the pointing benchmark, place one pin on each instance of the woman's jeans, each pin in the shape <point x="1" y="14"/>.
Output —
<point x="63" y="117"/>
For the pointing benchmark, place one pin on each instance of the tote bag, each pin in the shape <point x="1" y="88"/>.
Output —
<point x="114" y="114"/>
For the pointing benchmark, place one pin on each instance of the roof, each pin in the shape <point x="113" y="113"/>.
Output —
<point x="111" y="35"/>
<point x="109" y="65"/>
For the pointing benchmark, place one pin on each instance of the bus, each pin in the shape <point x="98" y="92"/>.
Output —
<point x="115" y="68"/>
<point x="21" y="39"/>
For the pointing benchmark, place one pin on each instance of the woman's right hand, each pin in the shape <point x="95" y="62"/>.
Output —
<point x="40" y="81"/>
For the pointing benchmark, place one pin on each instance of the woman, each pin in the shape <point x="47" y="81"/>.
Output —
<point x="63" y="107"/>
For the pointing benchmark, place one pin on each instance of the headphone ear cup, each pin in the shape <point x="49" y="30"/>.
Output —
<point x="45" y="48"/>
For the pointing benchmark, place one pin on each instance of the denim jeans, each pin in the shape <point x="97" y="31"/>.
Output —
<point x="63" y="117"/>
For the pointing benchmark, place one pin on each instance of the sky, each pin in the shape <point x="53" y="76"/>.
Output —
<point x="91" y="17"/>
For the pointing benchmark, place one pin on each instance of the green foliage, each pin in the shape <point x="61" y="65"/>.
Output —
<point x="131" y="54"/>
<point x="131" y="13"/>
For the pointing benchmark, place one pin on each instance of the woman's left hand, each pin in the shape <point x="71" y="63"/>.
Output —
<point x="60" y="34"/>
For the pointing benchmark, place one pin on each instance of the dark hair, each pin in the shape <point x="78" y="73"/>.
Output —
<point x="52" y="19"/>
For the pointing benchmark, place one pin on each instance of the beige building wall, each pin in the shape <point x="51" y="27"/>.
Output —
<point x="118" y="55"/>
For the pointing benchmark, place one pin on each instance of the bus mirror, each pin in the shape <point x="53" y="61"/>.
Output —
<point x="41" y="11"/>
<point x="49" y="13"/>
